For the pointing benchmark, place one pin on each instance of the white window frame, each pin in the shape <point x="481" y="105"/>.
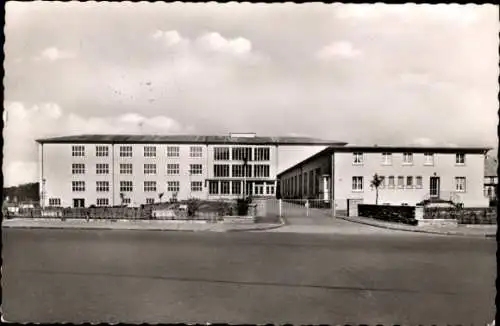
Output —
<point x="408" y="184"/>
<point x="101" y="150"/>
<point x="262" y="170"/>
<point x="78" y="168"/>
<point x="222" y="170"/>
<point x="225" y="188"/>
<point x="213" y="185"/>
<point x="127" y="200"/>
<point x="78" y="186"/>
<point x="55" y="202"/>
<point x="382" y="183"/>
<point x="126" y="168"/>
<point x="150" y="168"/>
<point x="357" y="158"/>
<point x="357" y="184"/>
<point x="173" y="151"/>
<point x="426" y="159"/>
<point x="102" y="168"/>
<point x="418" y="185"/>
<point x="401" y="184"/>
<point x="391" y="185"/>
<point x="150" y="201"/>
<point x="239" y="153"/>
<point x="78" y="150"/>
<point x="149" y="186"/>
<point x="235" y="185"/>
<point x="101" y="202"/>
<point x="262" y="154"/>
<point x="173" y="186"/>
<point x="196" y="186"/>
<point x="460" y="184"/>
<point x="407" y="158"/>
<point x="126" y="186"/>
<point x="173" y="169"/>
<point x="102" y="186"/>
<point x="222" y="154"/>
<point x="459" y="161"/>
<point x="126" y="151"/>
<point x="386" y="158"/>
<point x="196" y="169"/>
<point x="149" y="151"/>
<point x="196" y="151"/>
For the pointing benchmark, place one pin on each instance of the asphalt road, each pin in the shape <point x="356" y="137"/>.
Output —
<point x="146" y="276"/>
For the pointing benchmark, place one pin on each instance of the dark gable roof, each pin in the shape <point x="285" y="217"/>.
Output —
<point x="387" y="149"/>
<point x="187" y="139"/>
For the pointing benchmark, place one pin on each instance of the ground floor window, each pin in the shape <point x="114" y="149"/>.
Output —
<point x="55" y="202"/>
<point x="173" y="186"/>
<point x="213" y="187"/>
<point x="126" y="200"/>
<point x="418" y="181"/>
<point x="126" y="186"/>
<point x="357" y="183"/>
<point x="150" y="200"/>
<point x="196" y="186"/>
<point x="269" y="189"/>
<point x="224" y="187"/>
<point x="460" y="184"/>
<point x="236" y="187"/>
<point x="102" y="202"/>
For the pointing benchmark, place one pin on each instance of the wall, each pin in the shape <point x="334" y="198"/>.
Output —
<point x="444" y="167"/>
<point x="398" y="214"/>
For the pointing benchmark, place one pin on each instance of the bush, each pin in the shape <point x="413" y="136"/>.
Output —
<point x="242" y="205"/>
<point x="193" y="205"/>
<point x="223" y="208"/>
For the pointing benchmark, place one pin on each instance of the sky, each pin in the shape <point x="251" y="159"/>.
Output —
<point x="359" y="73"/>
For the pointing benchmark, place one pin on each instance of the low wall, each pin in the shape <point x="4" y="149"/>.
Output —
<point x="397" y="214"/>
<point x="464" y="215"/>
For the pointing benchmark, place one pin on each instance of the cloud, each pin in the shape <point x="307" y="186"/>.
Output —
<point x="215" y="42"/>
<point x="339" y="49"/>
<point x="25" y="124"/>
<point x="53" y="54"/>
<point x="170" y="38"/>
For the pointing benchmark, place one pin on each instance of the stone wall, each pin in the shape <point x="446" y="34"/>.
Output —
<point x="467" y="215"/>
<point x="398" y="214"/>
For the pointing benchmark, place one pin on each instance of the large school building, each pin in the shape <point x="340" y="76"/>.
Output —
<point x="409" y="175"/>
<point x="109" y="170"/>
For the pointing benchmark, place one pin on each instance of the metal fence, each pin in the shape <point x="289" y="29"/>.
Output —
<point x="297" y="207"/>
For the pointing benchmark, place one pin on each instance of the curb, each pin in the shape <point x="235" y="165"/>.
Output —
<point x="417" y="230"/>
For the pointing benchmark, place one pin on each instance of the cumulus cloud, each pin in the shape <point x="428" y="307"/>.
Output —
<point x="216" y="42"/>
<point x="170" y="38"/>
<point x="339" y="49"/>
<point x="53" y="54"/>
<point x="25" y="124"/>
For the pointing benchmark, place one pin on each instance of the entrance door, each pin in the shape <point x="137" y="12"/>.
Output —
<point x="434" y="186"/>
<point x="78" y="202"/>
<point x="259" y="189"/>
<point x="352" y="206"/>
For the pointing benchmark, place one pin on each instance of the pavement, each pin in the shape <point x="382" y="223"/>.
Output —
<point x="99" y="276"/>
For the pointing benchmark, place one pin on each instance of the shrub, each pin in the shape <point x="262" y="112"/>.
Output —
<point x="193" y="205"/>
<point x="242" y="205"/>
<point x="223" y="208"/>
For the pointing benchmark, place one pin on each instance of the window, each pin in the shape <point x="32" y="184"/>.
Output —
<point x="261" y="153"/>
<point x="172" y="151"/>
<point x="409" y="182"/>
<point x="261" y="170"/>
<point x="460" y="184"/>
<point x="401" y="181"/>
<point x="357" y="183"/>
<point x="213" y="187"/>
<point x="238" y="171"/>
<point x="221" y="153"/>
<point x="390" y="181"/>
<point x="242" y="153"/>
<point x="173" y="186"/>
<point x="224" y="187"/>
<point x="78" y="168"/>
<point x="102" y="202"/>
<point x="78" y="186"/>
<point x="125" y="151"/>
<point x="428" y="159"/>
<point x="150" y="201"/>
<point x="102" y="186"/>
<point x="196" y="169"/>
<point x="195" y="151"/>
<point x="126" y="200"/>
<point x="382" y="181"/>
<point x="196" y="186"/>
<point x="269" y="189"/>
<point x="149" y="151"/>
<point x="126" y="186"/>
<point x="78" y="150"/>
<point x="221" y="170"/>
<point x="387" y="158"/>
<point x="102" y="168"/>
<point x="126" y="168"/>
<point x="236" y="187"/>
<point x="357" y="158"/>
<point x="101" y="151"/>
<point x="460" y="158"/>
<point x="149" y="186"/>
<point x="408" y="158"/>
<point x="149" y="168"/>
<point x="55" y="202"/>
<point x="173" y="169"/>
<point x="418" y="181"/>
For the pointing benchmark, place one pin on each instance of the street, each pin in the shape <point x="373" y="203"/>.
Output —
<point x="246" y="277"/>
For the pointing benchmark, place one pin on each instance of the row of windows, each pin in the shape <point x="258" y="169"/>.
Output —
<point x="358" y="158"/>
<point x="235" y="188"/>
<point x="126" y="168"/>
<point x="127" y="186"/>
<point x="126" y="151"/>
<point x="311" y="180"/>
<point x="240" y="170"/>
<point x="241" y="154"/>
<point x="409" y="182"/>
<point x="100" y="202"/>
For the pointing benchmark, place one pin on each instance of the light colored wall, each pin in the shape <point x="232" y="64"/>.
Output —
<point x="444" y="167"/>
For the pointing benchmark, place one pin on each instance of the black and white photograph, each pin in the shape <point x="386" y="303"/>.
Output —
<point x="250" y="163"/>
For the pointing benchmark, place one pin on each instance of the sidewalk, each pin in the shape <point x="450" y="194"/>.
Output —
<point x="488" y="231"/>
<point x="150" y="225"/>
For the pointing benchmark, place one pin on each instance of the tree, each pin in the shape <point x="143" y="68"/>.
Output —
<point x="122" y="197"/>
<point x="376" y="183"/>
<point x="160" y="195"/>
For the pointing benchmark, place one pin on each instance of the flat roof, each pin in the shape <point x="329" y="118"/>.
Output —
<point x="387" y="149"/>
<point x="187" y="139"/>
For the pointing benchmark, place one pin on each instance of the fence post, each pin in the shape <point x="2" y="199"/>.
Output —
<point x="307" y="207"/>
<point x="280" y="202"/>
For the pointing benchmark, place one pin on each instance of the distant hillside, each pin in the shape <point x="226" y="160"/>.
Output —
<point x="24" y="192"/>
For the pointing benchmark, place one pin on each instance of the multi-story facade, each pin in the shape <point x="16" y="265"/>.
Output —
<point x="109" y="170"/>
<point x="410" y="175"/>
<point x="490" y="178"/>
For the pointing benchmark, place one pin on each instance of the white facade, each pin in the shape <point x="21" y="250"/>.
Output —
<point x="60" y="171"/>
